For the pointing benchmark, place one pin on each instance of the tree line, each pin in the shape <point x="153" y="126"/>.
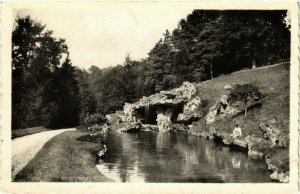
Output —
<point x="47" y="90"/>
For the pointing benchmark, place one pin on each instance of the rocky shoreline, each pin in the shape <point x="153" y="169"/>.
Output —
<point x="184" y="108"/>
<point x="245" y="144"/>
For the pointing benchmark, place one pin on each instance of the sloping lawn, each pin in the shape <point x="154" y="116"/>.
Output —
<point x="64" y="159"/>
<point x="273" y="82"/>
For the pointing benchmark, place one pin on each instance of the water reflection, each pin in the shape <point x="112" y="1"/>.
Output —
<point x="175" y="157"/>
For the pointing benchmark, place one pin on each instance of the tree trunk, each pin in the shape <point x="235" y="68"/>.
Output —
<point x="245" y="111"/>
<point x="253" y="63"/>
<point x="211" y="69"/>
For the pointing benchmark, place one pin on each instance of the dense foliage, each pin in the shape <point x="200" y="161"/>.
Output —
<point x="44" y="91"/>
<point x="49" y="91"/>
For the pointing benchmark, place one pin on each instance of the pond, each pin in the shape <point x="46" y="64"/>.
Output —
<point x="152" y="156"/>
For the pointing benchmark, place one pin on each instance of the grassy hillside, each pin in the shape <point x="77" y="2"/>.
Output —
<point x="273" y="82"/>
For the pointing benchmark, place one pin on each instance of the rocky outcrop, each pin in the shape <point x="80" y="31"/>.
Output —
<point x="190" y="112"/>
<point x="188" y="117"/>
<point x="272" y="133"/>
<point x="172" y="97"/>
<point x="219" y="110"/>
<point x="192" y="105"/>
<point x="282" y="177"/>
<point x="223" y="108"/>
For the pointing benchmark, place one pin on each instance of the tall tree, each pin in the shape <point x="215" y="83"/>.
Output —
<point x="37" y="72"/>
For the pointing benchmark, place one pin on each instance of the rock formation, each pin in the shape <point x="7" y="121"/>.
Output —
<point x="164" y="122"/>
<point x="165" y="98"/>
<point x="190" y="112"/>
<point x="130" y="127"/>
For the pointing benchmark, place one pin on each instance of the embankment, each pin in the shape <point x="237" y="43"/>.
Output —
<point x="64" y="159"/>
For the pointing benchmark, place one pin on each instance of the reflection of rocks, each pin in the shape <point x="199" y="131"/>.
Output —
<point x="236" y="163"/>
<point x="163" y="140"/>
<point x="180" y="127"/>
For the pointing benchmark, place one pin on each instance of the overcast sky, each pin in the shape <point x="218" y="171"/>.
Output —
<point x="104" y="37"/>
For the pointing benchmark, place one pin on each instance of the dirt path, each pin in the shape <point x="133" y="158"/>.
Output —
<point x="25" y="148"/>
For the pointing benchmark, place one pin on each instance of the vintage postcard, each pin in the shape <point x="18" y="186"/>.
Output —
<point x="149" y="97"/>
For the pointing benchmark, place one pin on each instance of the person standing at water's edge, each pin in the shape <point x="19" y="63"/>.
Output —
<point x="237" y="132"/>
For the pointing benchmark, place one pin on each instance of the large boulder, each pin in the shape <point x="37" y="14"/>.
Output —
<point x="113" y="119"/>
<point x="188" y="117"/>
<point x="192" y="105"/>
<point x="190" y="112"/>
<point x="220" y="109"/>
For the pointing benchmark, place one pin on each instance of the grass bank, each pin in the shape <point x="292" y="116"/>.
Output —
<point x="28" y="131"/>
<point x="64" y="159"/>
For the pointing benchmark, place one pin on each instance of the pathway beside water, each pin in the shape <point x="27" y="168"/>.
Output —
<point x="26" y="147"/>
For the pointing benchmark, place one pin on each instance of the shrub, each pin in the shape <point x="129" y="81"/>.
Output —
<point x="244" y="93"/>
<point x="91" y="119"/>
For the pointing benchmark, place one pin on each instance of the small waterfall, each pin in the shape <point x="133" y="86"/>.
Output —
<point x="147" y="111"/>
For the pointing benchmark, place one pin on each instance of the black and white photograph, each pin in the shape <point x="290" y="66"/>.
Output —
<point x="148" y="94"/>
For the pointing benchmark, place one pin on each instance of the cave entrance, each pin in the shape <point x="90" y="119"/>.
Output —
<point x="148" y="114"/>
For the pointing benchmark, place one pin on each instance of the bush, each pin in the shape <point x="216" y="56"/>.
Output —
<point x="91" y="119"/>
<point x="244" y="93"/>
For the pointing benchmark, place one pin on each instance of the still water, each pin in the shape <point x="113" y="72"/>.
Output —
<point x="152" y="156"/>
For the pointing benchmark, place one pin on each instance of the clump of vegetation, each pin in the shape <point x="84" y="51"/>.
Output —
<point x="245" y="93"/>
<point x="92" y="119"/>
<point x="91" y="122"/>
